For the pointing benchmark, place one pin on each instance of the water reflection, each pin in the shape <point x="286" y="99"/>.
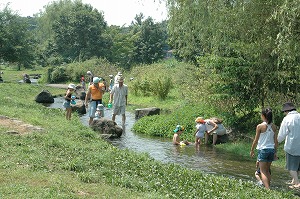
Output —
<point x="205" y="158"/>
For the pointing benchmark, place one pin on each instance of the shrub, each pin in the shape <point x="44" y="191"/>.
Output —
<point x="161" y="87"/>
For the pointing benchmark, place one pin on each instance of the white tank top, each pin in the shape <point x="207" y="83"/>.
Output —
<point x="266" y="139"/>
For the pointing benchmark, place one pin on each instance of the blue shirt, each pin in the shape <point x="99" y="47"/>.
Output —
<point x="290" y="131"/>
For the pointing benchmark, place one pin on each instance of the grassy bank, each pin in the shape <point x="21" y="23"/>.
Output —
<point x="69" y="160"/>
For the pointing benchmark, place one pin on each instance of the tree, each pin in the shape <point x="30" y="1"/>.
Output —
<point x="74" y="31"/>
<point x="150" y="40"/>
<point x="15" y="39"/>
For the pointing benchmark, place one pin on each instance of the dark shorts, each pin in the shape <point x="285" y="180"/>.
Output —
<point x="292" y="162"/>
<point x="266" y="155"/>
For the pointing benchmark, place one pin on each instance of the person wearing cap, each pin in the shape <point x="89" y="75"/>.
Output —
<point x="90" y="76"/>
<point x="68" y="98"/>
<point x="118" y="95"/>
<point x="216" y="128"/>
<point x="290" y="132"/>
<point x="200" y="130"/>
<point x="119" y="74"/>
<point x="111" y="82"/>
<point x="176" y="137"/>
<point x="95" y="93"/>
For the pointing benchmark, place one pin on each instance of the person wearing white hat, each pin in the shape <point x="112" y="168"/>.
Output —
<point x="95" y="93"/>
<point x="290" y="132"/>
<point x="119" y="74"/>
<point x="118" y="95"/>
<point x="91" y="77"/>
<point x="68" y="98"/>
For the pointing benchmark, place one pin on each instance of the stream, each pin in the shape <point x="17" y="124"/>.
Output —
<point x="206" y="158"/>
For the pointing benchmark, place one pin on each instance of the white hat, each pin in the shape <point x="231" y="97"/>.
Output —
<point x="89" y="73"/>
<point x="72" y="86"/>
<point x="120" y="79"/>
<point x="96" y="80"/>
<point x="119" y="73"/>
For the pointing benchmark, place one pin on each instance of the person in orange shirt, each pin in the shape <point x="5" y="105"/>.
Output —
<point x="95" y="93"/>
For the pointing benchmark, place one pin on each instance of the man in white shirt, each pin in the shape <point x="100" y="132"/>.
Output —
<point x="118" y="95"/>
<point x="290" y="132"/>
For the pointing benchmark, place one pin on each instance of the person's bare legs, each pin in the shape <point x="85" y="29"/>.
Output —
<point x="123" y="119"/>
<point x="90" y="120"/>
<point x="295" y="178"/>
<point x="206" y="138"/>
<point x="265" y="173"/>
<point x="215" y="137"/>
<point x="113" y="117"/>
<point x="68" y="113"/>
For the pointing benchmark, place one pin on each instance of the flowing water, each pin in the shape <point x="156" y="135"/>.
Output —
<point x="206" y="158"/>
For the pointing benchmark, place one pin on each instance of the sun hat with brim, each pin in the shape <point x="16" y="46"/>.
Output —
<point x="200" y="120"/>
<point x="120" y="79"/>
<point x="72" y="86"/>
<point x="178" y="128"/>
<point x="288" y="106"/>
<point x="96" y="80"/>
<point x="119" y="73"/>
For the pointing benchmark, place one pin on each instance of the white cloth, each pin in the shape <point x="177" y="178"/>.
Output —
<point x="119" y="94"/>
<point x="266" y="139"/>
<point x="290" y="131"/>
<point x="201" y="128"/>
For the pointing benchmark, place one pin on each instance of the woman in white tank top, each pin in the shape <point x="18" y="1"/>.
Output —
<point x="266" y="143"/>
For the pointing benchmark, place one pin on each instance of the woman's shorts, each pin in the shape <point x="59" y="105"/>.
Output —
<point x="266" y="155"/>
<point x="292" y="162"/>
<point x="67" y="104"/>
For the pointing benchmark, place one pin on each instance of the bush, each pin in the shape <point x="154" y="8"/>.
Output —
<point x="58" y="75"/>
<point x="161" y="87"/>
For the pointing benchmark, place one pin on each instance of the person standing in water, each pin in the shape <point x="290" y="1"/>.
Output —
<point x="118" y="95"/>
<point x="95" y="92"/>
<point x="266" y="143"/>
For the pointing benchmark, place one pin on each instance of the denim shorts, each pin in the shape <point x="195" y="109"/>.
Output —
<point x="67" y="104"/>
<point x="266" y="155"/>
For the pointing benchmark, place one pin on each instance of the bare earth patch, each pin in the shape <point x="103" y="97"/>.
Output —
<point x="18" y="127"/>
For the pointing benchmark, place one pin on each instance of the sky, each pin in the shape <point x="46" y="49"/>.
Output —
<point x="116" y="12"/>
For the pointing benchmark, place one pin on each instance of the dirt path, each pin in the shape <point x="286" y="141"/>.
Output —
<point x="17" y="127"/>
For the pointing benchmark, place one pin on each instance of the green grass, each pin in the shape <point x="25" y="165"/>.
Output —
<point x="69" y="160"/>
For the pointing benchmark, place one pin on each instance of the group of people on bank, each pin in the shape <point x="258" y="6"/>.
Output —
<point x="266" y="141"/>
<point x="118" y="92"/>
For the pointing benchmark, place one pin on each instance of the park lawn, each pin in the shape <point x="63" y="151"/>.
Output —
<point x="69" y="160"/>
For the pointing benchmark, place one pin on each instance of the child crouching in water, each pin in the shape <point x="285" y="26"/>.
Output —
<point x="176" y="138"/>
<point x="200" y="130"/>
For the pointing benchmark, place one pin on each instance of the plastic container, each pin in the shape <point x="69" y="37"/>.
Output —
<point x="73" y="99"/>
<point x="109" y="105"/>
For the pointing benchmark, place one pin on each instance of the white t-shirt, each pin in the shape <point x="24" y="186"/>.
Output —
<point x="119" y="94"/>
